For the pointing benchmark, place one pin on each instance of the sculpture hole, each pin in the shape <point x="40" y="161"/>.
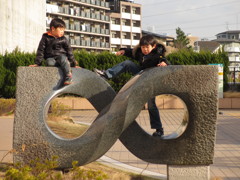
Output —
<point x="70" y="116"/>
<point x="173" y="114"/>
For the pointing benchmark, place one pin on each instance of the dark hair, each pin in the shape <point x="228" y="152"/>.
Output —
<point x="148" y="40"/>
<point x="56" y="22"/>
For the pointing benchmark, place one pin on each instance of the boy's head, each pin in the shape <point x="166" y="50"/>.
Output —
<point x="147" y="44"/>
<point x="57" y="27"/>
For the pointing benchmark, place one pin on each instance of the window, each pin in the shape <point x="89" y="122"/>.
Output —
<point x="113" y="21"/>
<point x="224" y="36"/>
<point x="134" y="11"/>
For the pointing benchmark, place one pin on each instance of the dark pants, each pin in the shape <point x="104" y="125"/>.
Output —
<point x="60" y="61"/>
<point x="131" y="67"/>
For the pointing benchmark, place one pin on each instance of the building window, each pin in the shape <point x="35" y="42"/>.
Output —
<point x="124" y="22"/>
<point x="134" y="11"/>
<point x="113" y="35"/>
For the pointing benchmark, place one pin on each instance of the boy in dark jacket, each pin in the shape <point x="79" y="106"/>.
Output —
<point x="149" y="53"/>
<point x="55" y="48"/>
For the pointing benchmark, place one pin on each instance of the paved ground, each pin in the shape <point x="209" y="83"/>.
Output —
<point x="227" y="150"/>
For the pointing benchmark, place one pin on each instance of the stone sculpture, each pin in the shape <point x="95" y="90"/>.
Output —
<point x="195" y="85"/>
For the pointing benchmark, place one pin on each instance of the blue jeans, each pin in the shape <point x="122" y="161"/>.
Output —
<point x="125" y="66"/>
<point x="60" y="61"/>
<point x="131" y="67"/>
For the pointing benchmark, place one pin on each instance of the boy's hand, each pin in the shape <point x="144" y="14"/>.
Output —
<point x="77" y="67"/>
<point x="162" y="64"/>
<point x="33" y="65"/>
<point x="121" y="52"/>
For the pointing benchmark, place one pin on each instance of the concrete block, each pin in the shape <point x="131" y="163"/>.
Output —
<point x="225" y="103"/>
<point x="23" y="26"/>
<point x="235" y="103"/>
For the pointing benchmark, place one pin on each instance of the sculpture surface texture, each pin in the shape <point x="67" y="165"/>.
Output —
<point x="195" y="85"/>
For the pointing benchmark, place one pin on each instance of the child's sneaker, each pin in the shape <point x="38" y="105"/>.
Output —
<point x="158" y="133"/>
<point x="101" y="73"/>
<point x="68" y="80"/>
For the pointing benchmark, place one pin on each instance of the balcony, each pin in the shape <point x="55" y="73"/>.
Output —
<point x="115" y="27"/>
<point x="126" y="15"/>
<point x="136" y="17"/>
<point x="126" y="42"/>
<point x="51" y="8"/>
<point x="126" y="28"/>
<point x="136" y="29"/>
<point x="115" y="41"/>
<point x="135" y="42"/>
<point x="232" y="49"/>
<point x="234" y="59"/>
<point x="69" y="12"/>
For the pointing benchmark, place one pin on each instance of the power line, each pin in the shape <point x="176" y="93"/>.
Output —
<point x="162" y="2"/>
<point x="194" y="27"/>
<point x="203" y="19"/>
<point x="191" y="9"/>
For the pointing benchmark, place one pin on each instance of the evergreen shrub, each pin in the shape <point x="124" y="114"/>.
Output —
<point x="9" y="62"/>
<point x="189" y="57"/>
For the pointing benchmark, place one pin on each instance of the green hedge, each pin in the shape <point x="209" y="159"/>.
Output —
<point x="188" y="57"/>
<point x="2" y="73"/>
<point x="11" y="61"/>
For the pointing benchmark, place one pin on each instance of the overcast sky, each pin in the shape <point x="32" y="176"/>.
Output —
<point x="202" y="18"/>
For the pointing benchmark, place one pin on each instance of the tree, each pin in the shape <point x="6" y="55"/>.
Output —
<point x="182" y="41"/>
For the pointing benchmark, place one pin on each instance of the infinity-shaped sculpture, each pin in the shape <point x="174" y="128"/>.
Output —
<point x="195" y="85"/>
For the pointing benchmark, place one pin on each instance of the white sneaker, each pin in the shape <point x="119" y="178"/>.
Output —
<point x="100" y="73"/>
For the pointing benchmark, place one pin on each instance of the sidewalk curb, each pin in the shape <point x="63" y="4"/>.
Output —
<point x="119" y="165"/>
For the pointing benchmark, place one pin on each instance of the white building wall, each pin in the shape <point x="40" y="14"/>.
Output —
<point x="135" y="42"/>
<point x="116" y="41"/>
<point x="126" y="42"/>
<point x="136" y="29"/>
<point x="126" y="15"/>
<point x="115" y="27"/>
<point x="126" y="28"/>
<point x="136" y="17"/>
<point x="22" y="24"/>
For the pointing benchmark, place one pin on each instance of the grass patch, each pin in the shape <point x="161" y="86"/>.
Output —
<point x="7" y="106"/>
<point x="47" y="169"/>
<point x="67" y="129"/>
<point x="63" y="125"/>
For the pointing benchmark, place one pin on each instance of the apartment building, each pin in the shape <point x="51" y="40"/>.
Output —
<point x="231" y="43"/>
<point x="87" y="22"/>
<point x="125" y="24"/>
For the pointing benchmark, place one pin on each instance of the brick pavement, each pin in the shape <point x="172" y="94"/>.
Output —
<point x="227" y="150"/>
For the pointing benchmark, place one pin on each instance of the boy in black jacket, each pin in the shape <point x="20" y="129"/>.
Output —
<point x="55" y="48"/>
<point x="149" y="53"/>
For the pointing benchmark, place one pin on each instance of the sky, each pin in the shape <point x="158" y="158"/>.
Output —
<point x="201" y="18"/>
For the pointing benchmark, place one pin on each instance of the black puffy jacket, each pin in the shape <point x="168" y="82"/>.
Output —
<point x="155" y="57"/>
<point x="50" y="46"/>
